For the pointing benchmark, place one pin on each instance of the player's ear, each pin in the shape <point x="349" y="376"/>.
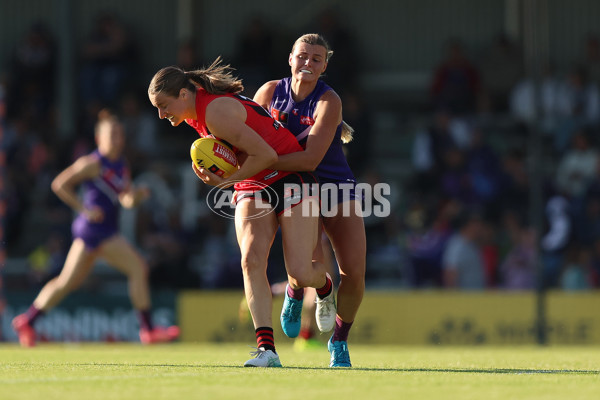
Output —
<point x="183" y="93"/>
<point x="290" y="59"/>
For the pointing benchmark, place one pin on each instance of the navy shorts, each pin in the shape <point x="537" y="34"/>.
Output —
<point x="286" y="192"/>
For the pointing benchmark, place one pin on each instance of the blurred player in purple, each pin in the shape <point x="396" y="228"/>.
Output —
<point x="104" y="177"/>
<point x="312" y="111"/>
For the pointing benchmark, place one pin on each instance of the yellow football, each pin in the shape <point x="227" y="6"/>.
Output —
<point x="214" y="156"/>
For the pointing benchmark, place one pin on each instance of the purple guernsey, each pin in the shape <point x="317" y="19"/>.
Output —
<point x="102" y="191"/>
<point x="299" y="119"/>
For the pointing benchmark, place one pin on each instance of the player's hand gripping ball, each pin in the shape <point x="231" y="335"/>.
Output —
<point x="214" y="155"/>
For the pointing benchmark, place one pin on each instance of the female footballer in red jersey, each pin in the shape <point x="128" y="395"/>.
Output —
<point x="209" y="101"/>
<point x="312" y="111"/>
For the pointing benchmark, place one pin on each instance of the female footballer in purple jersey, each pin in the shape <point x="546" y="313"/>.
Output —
<point x="312" y="111"/>
<point x="106" y="185"/>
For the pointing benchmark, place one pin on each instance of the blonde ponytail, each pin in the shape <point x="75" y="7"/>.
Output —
<point x="347" y="133"/>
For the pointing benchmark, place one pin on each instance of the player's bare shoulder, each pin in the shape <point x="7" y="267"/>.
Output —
<point x="264" y="94"/>
<point x="223" y="108"/>
<point x="329" y="103"/>
<point x="332" y="97"/>
<point x="88" y="166"/>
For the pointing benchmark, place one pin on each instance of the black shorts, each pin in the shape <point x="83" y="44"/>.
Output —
<point x="286" y="192"/>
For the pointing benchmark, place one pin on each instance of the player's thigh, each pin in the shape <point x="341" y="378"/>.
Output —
<point x="255" y="231"/>
<point x="347" y="236"/>
<point x="319" y="251"/>
<point x="121" y="255"/>
<point x="299" y="234"/>
<point x="78" y="264"/>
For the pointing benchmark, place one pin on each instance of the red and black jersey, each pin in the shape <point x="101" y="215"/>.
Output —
<point x="272" y="132"/>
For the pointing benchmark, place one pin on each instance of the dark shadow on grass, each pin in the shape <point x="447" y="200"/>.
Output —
<point x="509" y="371"/>
<point x="491" y="371"/>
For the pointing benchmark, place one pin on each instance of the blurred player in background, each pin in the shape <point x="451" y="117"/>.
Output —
<point x="309" y="108"/>
<point x="209" y="101"/>
<point x="105" y="179"/>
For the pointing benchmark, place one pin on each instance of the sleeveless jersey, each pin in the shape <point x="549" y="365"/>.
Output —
<point x="298" y="117"/>
<point x="272" y="132"/>
<point x="103" y="191"/>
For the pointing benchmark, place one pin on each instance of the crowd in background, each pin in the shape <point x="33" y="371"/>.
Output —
<point x="460" y="219"/>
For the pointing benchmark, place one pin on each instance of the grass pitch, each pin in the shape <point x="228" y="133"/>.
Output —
<point x="203" y="371"/>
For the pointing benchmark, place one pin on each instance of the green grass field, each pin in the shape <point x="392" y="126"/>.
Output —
<point x="201" y="371"/>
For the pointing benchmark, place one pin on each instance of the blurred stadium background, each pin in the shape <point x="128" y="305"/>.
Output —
<point x="482" y="116"/>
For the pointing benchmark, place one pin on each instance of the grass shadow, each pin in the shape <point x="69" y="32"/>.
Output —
<point x="492" y="371"/>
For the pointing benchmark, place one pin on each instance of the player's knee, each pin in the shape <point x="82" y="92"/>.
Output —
<point x="353" y="271"/>
<point x="354" y="282"/>
<point x="65" y="286"/>
<point x="301" y="278"/>
<point x="143" y="270"/>
<point x="251" y="262"/>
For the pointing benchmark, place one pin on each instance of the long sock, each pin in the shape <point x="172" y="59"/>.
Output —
<point x="325" y="290"/>
<point x="33" y="313"/>
<point x="264" y="338"/>
<point x="297" y="294"/>
<point x="145" y="317"/>
<point x="306" y="333"/>
<point x="341" y="330"/>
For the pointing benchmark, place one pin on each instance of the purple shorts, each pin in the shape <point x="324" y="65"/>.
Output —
<point x="337" y="192"/>
<point x="92" y="234"/>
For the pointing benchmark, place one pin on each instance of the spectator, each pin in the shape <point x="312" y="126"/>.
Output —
<point x="456" y="82"/>
<point x="187" y="55"/>
<point x="586" y="226"/>
<point x="587" y="221"/>
<point x="577" y="167"/>
<point x="595" y="263"/>
<point x="20" y="142"/>
<point x="426" y="241"/>
<point x="343" y="73"/>
<point x="514" y="194"/>
<point x="254" y="48"/>
<point x="578" y="107"/>
<point x="142" y="145"/>
<point x="577" y="272"/>
<point x="523" y="102"/>
<point x="430" y="148"/>
<point x="556" y="239"/>
<point x="501" y="69"/>
<point x="357" y="115"/>
<point x="483" y="166"/>
<point x="32" y="72"/>
<point x="462" y="264"/>
<point x="109" y="56"/>
<point x="47" y="260"/>
<point x="518" y="269"/>
<point x="157" y="229"/>
<point x="591" y="57"/>
<point x="456" y="181"/>
<point x="490" y="252"/>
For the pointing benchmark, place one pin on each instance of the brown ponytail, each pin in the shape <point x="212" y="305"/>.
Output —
<point x="215" y="79"/>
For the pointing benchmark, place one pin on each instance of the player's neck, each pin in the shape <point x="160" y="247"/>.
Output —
<point x="110" y="155"/>
<point x="301" y="90"/>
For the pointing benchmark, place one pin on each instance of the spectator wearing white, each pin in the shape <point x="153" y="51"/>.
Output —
<point x="577" y="167"/>
<point x="462" y="263"/>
